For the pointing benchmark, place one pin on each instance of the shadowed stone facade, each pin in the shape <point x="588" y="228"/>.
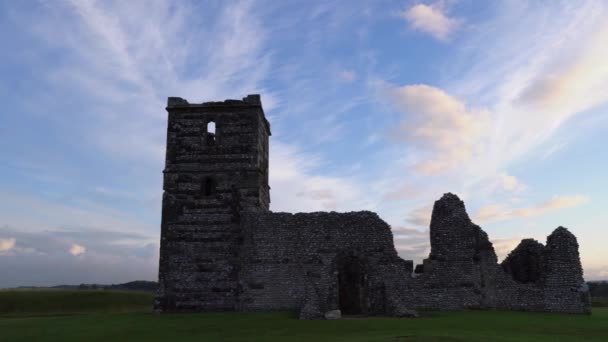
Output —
<point x="222" y="249"/>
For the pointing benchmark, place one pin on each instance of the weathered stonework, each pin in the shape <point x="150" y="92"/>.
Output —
<point x="209" y="179"/>
<point x="222" y="249"/>
<point x="525" y="262"/>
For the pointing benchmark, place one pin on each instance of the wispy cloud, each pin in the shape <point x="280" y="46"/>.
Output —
<point x="299" y="188"/>
<point x="440" y="125"/>
<point x="421" y="216"/>
<point x="412" y="244"/>
<point x="77" y="249"/>
<point x="102" y="256"/>
<point x="128" y="57"/>
<point x="503" y="103"/>
<point x="571" y="84"/>
<point x="503" y="184"/>
<point x="405" y="191"/>
<point x="48" y="214"/>
<point x="533" y="84"/>
<point x="498" y="212"/>
<point x="7" y="244"/>
<point x="431" y="19"/>
<point x="503" y="247"/>
<point x="553" y="149"/>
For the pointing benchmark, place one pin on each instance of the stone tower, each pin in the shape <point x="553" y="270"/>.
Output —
<point x="216" y="166"/>
<point x="565" y="288"/>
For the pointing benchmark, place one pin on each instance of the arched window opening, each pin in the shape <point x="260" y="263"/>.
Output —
<point x="211" y="133"/>
<point x="209" y="186"/>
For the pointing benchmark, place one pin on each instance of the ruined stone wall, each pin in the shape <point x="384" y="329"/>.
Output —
<point x="562" y="277"/>
<point x="291" y="260"/>
<point x="549" y="278"/>
<point x="451" y="277"/>
<point x="462" y="271"/>
<point x="208" y="179"/>
<point x="525" y="262"/>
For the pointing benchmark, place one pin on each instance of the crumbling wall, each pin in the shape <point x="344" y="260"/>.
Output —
<point x="525" y="262"/>
<point x="451" y="277"/>
<point x="564" y="287"/>
<point x="515" y="283"/>
<point x="462" y="271"/>
<point x="291" y="261"/>
<point x="544" y="278"/>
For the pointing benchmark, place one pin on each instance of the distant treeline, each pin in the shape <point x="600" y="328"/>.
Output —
<point x="598" y="288"/>
<point x="138" y="285"/>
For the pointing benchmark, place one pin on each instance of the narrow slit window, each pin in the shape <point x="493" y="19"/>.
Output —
<point x="211" y="133"/>
<point x="211" y="127"/>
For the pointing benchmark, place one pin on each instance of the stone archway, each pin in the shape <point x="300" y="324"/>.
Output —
<point x="351" y="286"/>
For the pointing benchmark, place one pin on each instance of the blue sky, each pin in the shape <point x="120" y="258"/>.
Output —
<point x="375" y="105"/>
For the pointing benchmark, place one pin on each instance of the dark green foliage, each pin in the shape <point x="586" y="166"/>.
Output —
<point x="599" y="293"/>
<point x="137" y="285"/>
<point x="598" y="288"/>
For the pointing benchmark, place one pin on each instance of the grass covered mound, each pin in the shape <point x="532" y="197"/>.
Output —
<point x="52" y="302"/>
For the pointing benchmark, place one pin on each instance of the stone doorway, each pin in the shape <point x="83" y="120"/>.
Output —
<point x="351" y="286"/>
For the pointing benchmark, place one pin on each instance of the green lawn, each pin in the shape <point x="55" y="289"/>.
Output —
<point x="53" y="302"/>
<point x="280" y="326"/>
<point x="600" y="302"/>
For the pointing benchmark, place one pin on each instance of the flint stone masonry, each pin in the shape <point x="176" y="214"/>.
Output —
<point x="525" y="262"/>
<point x="290" y="259"/>
<point x="222" y="249"/>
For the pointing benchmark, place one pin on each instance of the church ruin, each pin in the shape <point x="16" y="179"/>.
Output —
<point x="223" y="249"/>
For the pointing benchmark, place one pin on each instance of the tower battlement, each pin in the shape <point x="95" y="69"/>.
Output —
<point x="249" y="100"/>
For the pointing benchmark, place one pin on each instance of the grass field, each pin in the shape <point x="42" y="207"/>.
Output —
<point x="123" y="316"/>
<point x="57" y="302"/>
<point x="601" y="302"/>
